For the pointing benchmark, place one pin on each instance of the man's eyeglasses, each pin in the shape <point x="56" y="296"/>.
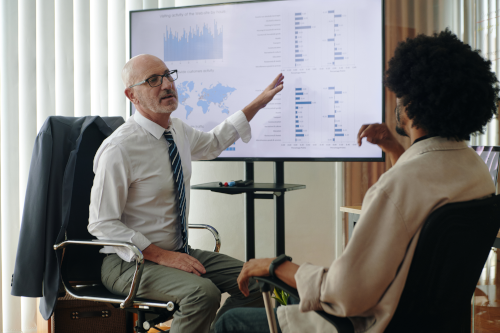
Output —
<point x="157" y="80"/>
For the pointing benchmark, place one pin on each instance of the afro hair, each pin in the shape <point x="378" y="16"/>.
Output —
<point x="448" y="89"/>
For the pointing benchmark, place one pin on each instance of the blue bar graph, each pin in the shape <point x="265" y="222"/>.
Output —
<point x="296" y="125"/>
<point x="299" y="60"/>
<point x="339" y="58"/>
<point x="331" y="88"/>
<point x="335" y="125"/>
<point x="298" y="89"/>
<point x="336" y="25"/>
<point x="338" y="93"/>
<point x="298" y="131"/>
<point x="299" y="93"/>
<point x="299" y="18"/>
<point x="338" y="53"/>
<point x="331" y="11"/>
<point x="298" y="13"/>
<point x="304" y="27"/>
<point x="339" y="134"/>
<point x="303" y="102"/>
<point x="338" y="15"/>
<point x="299" y="135"/>
<point x="298" y="55"/>
<point x="296" y="121"/>
<point x="331" y="39"/>
<point x="297" y="98"/>
<point x="338" y="129"/>
<point x="296" y="50"/>
<point x="331" y="116"/>
<point x="336" y="102"/>
<point x="195" y="44"/>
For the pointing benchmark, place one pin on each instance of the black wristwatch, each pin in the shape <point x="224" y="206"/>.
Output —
<point x="278" y="261"/>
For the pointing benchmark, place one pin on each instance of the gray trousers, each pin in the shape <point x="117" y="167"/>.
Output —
<point x="198" y="297"/>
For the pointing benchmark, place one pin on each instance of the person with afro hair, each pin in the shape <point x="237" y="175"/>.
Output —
<point x="445" y="92"/>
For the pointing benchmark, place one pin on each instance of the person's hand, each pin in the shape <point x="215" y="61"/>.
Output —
<point x="265" y="97"/>
<point x="268" y="94"/>
<point x="254" y="267"/>
<point x="380" y="135"/>
<point x="181" y="261"/>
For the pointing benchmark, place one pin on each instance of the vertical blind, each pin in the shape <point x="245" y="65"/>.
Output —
<point x="64" y="57"/>
<point x="58" y="57"/>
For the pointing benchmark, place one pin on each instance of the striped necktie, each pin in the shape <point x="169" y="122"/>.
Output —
<point x="175" y="160"/>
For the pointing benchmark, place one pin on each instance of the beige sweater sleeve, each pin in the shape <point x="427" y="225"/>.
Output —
<point x="357" y="280"/>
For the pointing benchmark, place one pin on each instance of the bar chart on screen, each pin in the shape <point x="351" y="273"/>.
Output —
<point x="318" y="37"/>
<point x="198" y="43"/>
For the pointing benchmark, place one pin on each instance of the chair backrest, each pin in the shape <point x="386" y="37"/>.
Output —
<point x="82" y="264"/>
<point x="491" y="156"/>
<point x="452" y="249"/>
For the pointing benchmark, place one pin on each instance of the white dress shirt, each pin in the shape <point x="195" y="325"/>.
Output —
<point x="133" y="196"/>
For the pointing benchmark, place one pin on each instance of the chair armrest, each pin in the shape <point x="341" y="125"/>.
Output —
<point x="139" y="262"/>
<point x="342" y="324"/>
<point x="214" y="232"/>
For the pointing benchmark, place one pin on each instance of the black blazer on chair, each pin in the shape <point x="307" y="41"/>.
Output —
<point x="46" y="206"/>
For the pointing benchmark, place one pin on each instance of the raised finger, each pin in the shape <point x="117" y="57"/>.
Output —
<point x="360" y="133"/>
<point x="276" y="81"/>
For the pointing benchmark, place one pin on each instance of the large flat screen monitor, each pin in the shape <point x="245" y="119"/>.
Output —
<point x="330" y="52"/>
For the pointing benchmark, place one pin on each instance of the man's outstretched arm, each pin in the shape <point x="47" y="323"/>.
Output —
<point x="265" y="97"/>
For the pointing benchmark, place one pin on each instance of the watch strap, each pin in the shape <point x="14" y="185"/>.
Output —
<point x="278" y="261"/>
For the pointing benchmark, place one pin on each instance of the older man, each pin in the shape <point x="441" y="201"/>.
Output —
<point x="141" y="195"/>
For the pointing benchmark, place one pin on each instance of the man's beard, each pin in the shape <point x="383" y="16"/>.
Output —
<point x="400" y="130"/>
<point x="156" y="107"/>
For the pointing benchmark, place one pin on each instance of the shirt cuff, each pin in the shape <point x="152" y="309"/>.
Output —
<point x="240" y="122"/>
<point x="138" y="240"/>
<point x="309" y="278"/>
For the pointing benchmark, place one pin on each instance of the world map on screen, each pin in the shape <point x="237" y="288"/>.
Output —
<point x="198" y="96"/>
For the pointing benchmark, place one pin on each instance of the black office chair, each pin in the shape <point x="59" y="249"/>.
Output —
<point x="452" y="249"/>
<point x="81" y="264"/>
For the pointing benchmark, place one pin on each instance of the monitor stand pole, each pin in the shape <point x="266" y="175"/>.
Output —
<point x="279" y="204"/>
<point x="279" y="209"/>
<point x="249" y="214"/>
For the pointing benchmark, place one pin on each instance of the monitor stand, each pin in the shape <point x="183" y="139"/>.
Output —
<point x="277" y="189"/>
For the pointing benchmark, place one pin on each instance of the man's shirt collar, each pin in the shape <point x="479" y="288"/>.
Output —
<point x="431" y="144"/>
<point x="150" y="126"/>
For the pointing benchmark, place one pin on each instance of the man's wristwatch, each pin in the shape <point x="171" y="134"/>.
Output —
<point x="278" y="261"/>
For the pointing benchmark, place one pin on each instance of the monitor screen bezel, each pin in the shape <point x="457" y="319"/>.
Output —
<point x="279" y="159"/>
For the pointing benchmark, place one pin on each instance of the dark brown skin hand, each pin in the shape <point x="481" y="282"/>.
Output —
<point x="260" y="267"/>
<point x="181" y="261"/>
<point x="380" y="135"/>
